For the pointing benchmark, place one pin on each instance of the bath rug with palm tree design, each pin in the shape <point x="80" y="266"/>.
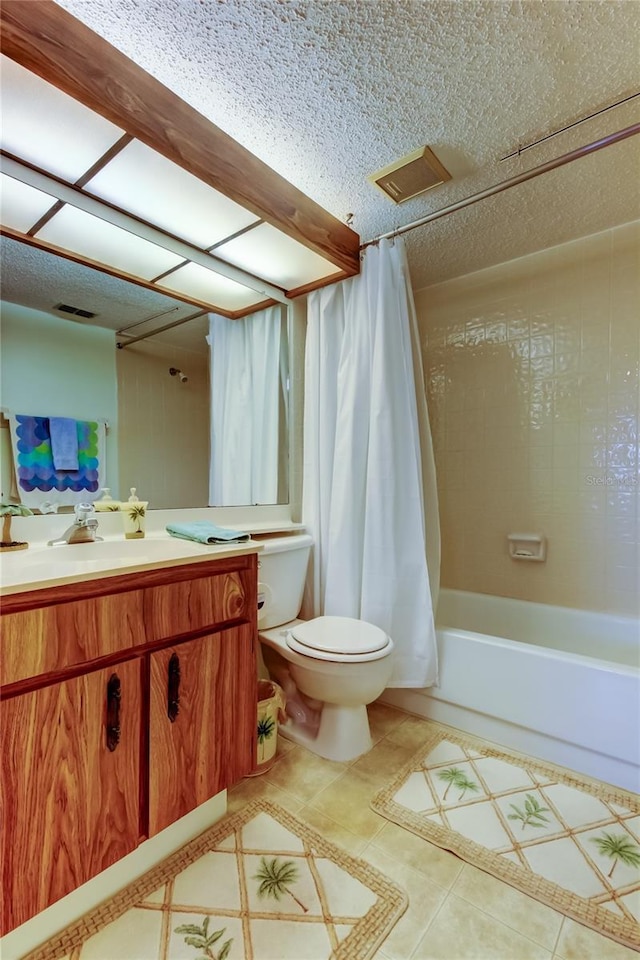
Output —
<point x="566" y="840"/>
<point x="258" y="885"/>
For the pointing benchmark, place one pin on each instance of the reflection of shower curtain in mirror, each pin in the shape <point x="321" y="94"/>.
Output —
<point x="245" y="408"/>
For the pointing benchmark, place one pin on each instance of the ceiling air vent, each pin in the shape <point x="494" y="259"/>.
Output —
<point x="410" y="176"/>
<point x="76" y="311"/>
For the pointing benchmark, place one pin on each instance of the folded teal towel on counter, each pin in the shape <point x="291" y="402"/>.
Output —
<point x="205" y="532"/>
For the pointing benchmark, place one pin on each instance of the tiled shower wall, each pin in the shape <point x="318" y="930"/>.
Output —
<point x="533" y="390"/>
<point x="163" y="425"/>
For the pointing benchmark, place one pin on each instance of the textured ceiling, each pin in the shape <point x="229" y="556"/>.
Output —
<point x="327" y="92"/>
<point x="42" y="281"/>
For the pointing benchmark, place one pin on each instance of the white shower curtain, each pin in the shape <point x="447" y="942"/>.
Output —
<point x="363" y="472"/>
<point x="245" y="408"/>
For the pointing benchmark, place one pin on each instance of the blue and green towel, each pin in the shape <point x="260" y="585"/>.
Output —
<point x="202" y="531"/>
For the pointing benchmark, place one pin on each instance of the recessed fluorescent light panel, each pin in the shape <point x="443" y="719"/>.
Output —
<point x="22" y="206"/>
<point x="195" y="281"/>
<point x="157" y="190"/>
<point x="62" y="143"/>
<point x="49" y="129"/>
<point x="271" y="254"/>
<point x="82" y="233"/>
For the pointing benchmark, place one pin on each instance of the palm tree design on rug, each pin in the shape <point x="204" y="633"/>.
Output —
<point x="455" y="777"/>
<point x="533" y="814"/>
<point x="199" y="938"/>
<point x="619" y="848"/>
<point x="266" y="727"/>
<point x="276" y="877"/>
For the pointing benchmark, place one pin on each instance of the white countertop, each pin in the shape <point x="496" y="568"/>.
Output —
<point x="39" y="567"/>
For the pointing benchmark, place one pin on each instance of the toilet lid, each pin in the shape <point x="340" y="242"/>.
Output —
<point x="339" y="635"/>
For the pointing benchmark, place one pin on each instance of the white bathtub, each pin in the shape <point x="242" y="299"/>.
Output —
<point x="556" y="683"/>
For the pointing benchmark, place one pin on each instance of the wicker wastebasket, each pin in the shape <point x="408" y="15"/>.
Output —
<point x="271" y="704"/>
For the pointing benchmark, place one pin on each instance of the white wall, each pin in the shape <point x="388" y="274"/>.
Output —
<point x="55" y="367"/>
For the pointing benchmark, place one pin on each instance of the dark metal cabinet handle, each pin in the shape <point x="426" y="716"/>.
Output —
<point x="114" y="696"/>
<point x="173" y="687"/>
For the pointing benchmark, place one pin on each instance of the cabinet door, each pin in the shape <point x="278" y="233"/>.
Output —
<point x="203" y="721"/>
<point x="70" y="804"/>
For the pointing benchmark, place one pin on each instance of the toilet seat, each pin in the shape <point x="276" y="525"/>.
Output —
<point x="339" y="639"/>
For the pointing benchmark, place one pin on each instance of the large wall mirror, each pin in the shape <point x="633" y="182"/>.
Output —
<point x="60" y="327"/>
<point x="108" y="167"/>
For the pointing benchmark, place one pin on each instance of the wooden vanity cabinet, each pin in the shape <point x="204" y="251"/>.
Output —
<point x="148" y="714"/>
<point x="70" y="806"/>
<point x="185" y="767"/>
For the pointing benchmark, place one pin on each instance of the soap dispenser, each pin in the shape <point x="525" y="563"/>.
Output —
<point x="105" y="503"/>
<point x="134" y="512"/>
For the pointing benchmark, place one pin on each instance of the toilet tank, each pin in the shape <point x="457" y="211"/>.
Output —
<point x="282" y="570"/>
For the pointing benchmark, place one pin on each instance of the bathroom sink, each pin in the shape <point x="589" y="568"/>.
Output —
<point x="138" y="550"/>
<point x="105" y="554"/>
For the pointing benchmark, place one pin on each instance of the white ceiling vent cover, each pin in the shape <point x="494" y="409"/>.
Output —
<point x="410" y="176"/>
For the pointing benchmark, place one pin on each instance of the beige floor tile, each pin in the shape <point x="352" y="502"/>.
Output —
<point x="346" y="801"/>
<point x="438" y="865"/>
<point x="285" y="746"/>
<point x="513" y="908"/>
<point x="383" y="719"/>
<point x="581" y="943"/>
<point x="456" y="912"/>
<point x="462" y="932"/>
<point x="254" y="788"/>
<point x="303" y="774"/>
<point x="425" y="899"/>
<point x="411" y="733"/>
<point x="333" y="831"/>
<point x="382" y="762"/>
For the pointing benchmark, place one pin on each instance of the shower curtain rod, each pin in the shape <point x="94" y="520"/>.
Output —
<point x="154" y="316"/>
<point x="153" y="333"/>
<point x="511" y="182"/>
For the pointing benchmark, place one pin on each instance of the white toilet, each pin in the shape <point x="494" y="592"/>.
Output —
<point x="330" y="668"/>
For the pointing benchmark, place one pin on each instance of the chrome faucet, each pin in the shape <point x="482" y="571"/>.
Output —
<point x="82" y="530"/>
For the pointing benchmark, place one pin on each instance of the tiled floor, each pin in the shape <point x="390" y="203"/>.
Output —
<point x="456" y="911"/>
